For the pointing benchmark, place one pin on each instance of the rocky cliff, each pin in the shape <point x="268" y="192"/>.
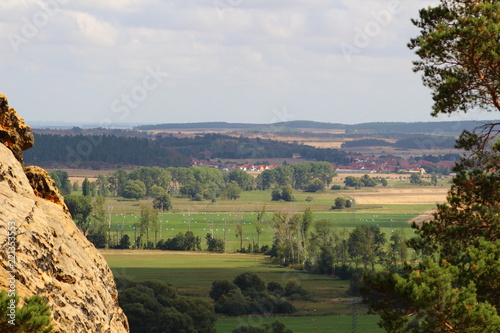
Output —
<point x="54" y="259"/>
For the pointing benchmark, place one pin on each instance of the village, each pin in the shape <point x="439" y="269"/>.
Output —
<point x="360" y="164"/>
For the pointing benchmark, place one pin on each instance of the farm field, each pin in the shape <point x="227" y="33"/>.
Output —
<point x="327" y="309"/>
<point x="222" y="223"/>
<point x="193" y="272"/>
<point x="335" y="139"/>
<point x="388" y="208"/>
<point x="324" y="324"/>
<point x="403" y="196"/>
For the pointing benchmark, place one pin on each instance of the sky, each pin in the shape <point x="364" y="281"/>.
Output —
<point x="250" y="61"/>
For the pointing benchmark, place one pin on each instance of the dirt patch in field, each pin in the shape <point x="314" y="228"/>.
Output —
<point x="80" y="180"/>
<point x="402" y="196"/>
<point x="87" y="172"/>
<point x="323" y="144"/>
<point x="425" y="217"/>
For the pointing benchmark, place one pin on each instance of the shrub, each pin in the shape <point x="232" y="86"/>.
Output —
<point x="292" y="287"/>
<point x="134" y="189"/>
<point x="340" y="203"/>
<point x="276" y="195"/>
<point x="233" y="304"/>
<point x="181" y="242"/>
<point x="314" y="186"/>
<point x="155" y="306"/>
<point x="34" y="316"/>
<point x="285" y="194"/>
<point x="221" y="288"/>
<point x="214" y="244"/>
<point x="274" y="288"/>
<point x="250" y="282"/>
<point x="264" y="248"/>
<point x="248" y="295"/>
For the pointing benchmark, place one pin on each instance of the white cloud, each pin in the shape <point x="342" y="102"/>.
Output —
<point x="240" y="58"/>
<point x="110" y="6"/>
<point x="94" y="31"/>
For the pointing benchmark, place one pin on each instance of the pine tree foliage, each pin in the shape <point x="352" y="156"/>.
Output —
<point x="33" y="316"/>
<point x="456" y="288"/>
<point x="459" y="50"/>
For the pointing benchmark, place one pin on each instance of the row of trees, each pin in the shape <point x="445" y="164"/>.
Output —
<point x="92" y="215"/>
<point x="199" y="183"/>
<point x="318" y="248"/>
<point x="300" y="176"/>
<point x="367" y="181"/>
<point x="364" y="181"/>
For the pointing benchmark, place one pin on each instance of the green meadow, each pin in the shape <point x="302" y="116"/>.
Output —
<point x="193" y="272"/>
<point x="327" y="309"/>
<point x="219" y="218"/>
<point x="324" y="324"/>
<point x="222" y="225"/>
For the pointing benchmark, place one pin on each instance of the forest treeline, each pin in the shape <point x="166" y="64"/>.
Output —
<point x="101" y="150"/>
<point x="97" y="150"/>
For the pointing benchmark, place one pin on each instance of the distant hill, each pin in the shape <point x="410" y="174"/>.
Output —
<point x="452" y="127"/>
<point x="204" y="125"/>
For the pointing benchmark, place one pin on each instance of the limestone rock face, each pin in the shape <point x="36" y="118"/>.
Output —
<point x="53" y="258"/>
<point x="14" y="133"/>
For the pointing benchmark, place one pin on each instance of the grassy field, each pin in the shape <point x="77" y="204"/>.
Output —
<point x="192" y="273"/>
<point x="222" y="225"/>
<point x="218" y="218"/>
<point x="325" y="324"/>
<point x="327" y="309"/>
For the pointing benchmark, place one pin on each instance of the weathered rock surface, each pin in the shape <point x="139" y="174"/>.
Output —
<point x="14" y="133"/>
<point x="44" y="186"/>
<point x="54" y="259"/>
